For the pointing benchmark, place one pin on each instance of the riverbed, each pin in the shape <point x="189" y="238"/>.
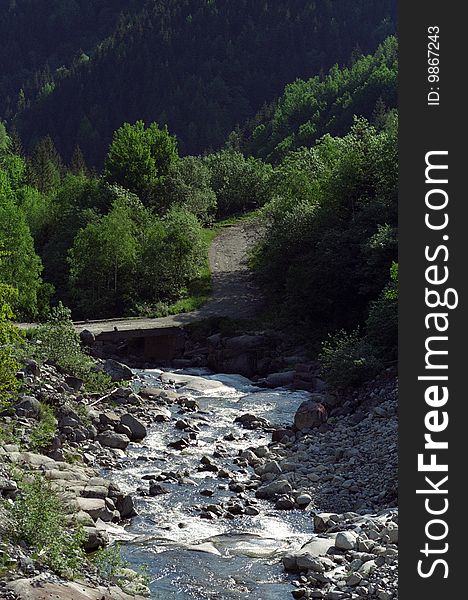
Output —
<point x="189" y="557"/>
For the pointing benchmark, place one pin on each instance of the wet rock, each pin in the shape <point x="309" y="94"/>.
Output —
<point x="179" y="444"/>
<point x="281" y="486"/>
<point x="126" y="507"/>
<point x="137" y="429"/>
<point x="250" y="421"/>
<point x="156" y="489"/>
<point x="284" y="503"/>
<point x="111" y="439"/>
<point x="280" y="379"/>
<point x="282" y="434"/>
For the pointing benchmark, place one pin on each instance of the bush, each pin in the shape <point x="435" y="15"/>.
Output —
<point x="240" y="184"/>
<point x="57" y="340"/>
<point x="10" y="338"/>
<point x="44" y="432"/>
<point x="38" y="519"/>
<point x="348" y="359"/>
<point x="382" y="322"/>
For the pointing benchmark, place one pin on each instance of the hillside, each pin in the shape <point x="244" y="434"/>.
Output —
<point x="193" y="63"/>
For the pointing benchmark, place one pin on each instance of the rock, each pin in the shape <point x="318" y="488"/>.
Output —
<point x="109" y="420"/>
<point x="307" y="562"/>
<point x="87" y="337"/>
<point x="280" y="379"/>
<point x="284" y="503"/>
<point x="346" y="540"/>
<point x="74" y="382"/>
<point x="281" y="486"/>
<point x="304" y="499"/>
<point x="117" y="371"/>
<point x="251" y="511"/>
<point x="250" y="421"/>
<point x="161" y="415"/>
<point x="156" y="489"/>
<point x="179" y="444"/>
<point x="48" y="586"/>
<point x="111" y="439"/>
<point x="95" y="507"/>
<point x="28" y="406"/>
<point x="96" y="538"/>
<point x="310" y="414"/>
<point x="272" y="467"/>
<point x="32" y="367"/>
<point x="126" y="507"/>
<point x="137" y="429"/>
<point x="280" y="434"/>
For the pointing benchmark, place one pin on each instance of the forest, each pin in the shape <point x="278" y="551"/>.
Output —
<point x="133" y="238"/>
<point x="178" y="63"/>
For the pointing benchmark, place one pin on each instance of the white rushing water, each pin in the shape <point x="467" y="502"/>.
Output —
<point x="198" y="559"/>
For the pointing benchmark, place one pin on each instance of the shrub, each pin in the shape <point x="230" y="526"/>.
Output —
<point x="57" y="340"/>
<point x="38" y="519"/>
<point x="348" y="359"/>
<point x="10" y="337"/>
<point x="44" y="432"/>
<point x="382" y="322"/>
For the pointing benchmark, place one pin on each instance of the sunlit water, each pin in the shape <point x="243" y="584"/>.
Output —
<point x="244" y="558"/>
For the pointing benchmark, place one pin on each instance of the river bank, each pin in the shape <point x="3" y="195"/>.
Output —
<point x="207" y="459"/>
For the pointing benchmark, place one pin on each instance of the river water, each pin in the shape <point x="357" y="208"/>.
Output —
<point x="238" y="558"/>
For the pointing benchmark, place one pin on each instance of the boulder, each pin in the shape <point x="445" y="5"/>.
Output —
<point x="111" y="439"/>
<point x="282" y="434"/>
<point x="137" y="429"/>
<point x="126" y="507"/>
<point x="279" y="487"/>
<point x="96" y="538"/>
<point x="117" y="370"/>
<point x="280" y="379"/>
<point x="346" y="540"/>
<point x="87" y="337"/>
<point x="28" y="407"/>
<point x="310" y="414"/>
<point x="74" y="382"/>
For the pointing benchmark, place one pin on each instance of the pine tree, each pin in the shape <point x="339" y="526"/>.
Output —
<point x="78" y="163"/>
<point x="45" y="166"/>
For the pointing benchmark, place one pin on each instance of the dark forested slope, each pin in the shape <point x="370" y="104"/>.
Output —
<point x="201" y="66"/>
<point x="41" y="39"/>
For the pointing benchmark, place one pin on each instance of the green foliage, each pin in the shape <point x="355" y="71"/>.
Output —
<point x="38" y="517"/>
<point x="323" y="254"/>
<point x="139" y="158"/>
<point x="109" y="561"/>
<point x="348" y="359"/>
<point x="188" y="186"/>
<point x="102" y="261"/>
<point x="10" y="339"/>
<point x="326" y="104"/>
<point x="240" y="184"/>
<point x="45" y="166"/>
<point x="43" y="432"/>
<point x="19" y="264"/>
<point x="98" y="382"/>
<point x="58" y="341"/>
<point x="382" y="322"/>
<point x="200" y="67"/>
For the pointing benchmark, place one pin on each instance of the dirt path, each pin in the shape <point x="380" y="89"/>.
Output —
<point x="234" y="293"/>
